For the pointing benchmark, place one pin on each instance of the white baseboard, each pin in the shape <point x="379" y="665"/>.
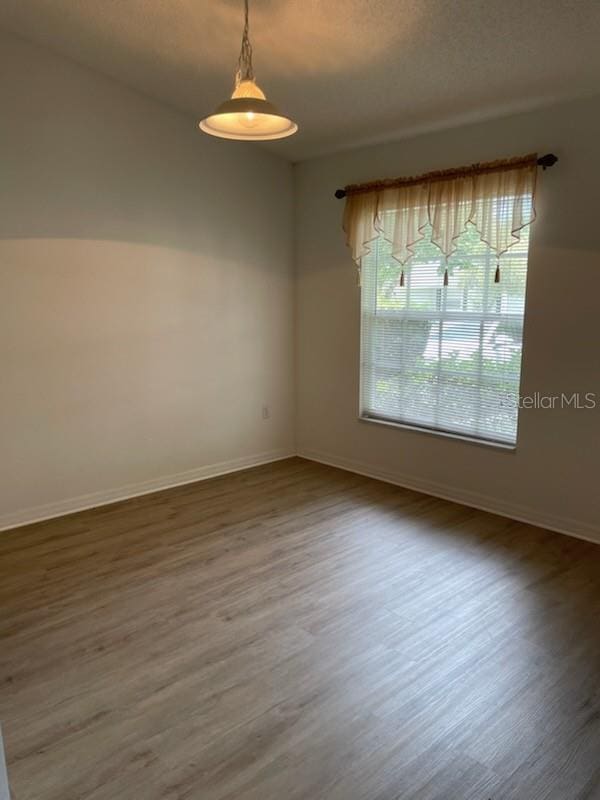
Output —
<point x="74" y="504"/>
<point x="570" y="527"/>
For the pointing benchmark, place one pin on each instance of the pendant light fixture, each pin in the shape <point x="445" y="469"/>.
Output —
<point x="247" y="115"/>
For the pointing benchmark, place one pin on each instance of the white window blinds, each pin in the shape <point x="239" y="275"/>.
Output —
<point x="444" y="357"/>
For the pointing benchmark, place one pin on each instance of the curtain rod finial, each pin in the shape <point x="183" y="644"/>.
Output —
<point x="547" y="161"/>
<point x="339" y="193"/>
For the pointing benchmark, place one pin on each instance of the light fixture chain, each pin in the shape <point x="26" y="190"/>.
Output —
<point x="245" y="72"/>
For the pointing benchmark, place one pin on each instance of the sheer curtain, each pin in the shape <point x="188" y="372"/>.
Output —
<point x="497" y="198"/>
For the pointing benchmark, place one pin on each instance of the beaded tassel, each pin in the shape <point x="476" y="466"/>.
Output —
<point x="497" y="275"/>
<point x="446" y="277"/>
<point x="402" y="278"/>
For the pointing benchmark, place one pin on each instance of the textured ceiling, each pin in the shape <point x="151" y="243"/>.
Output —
<point x="349" y="71"/>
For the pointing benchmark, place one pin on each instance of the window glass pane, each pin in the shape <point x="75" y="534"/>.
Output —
<point x="444" y="357"/>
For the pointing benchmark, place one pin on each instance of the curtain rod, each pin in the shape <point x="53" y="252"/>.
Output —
<point x="544" y="162"/>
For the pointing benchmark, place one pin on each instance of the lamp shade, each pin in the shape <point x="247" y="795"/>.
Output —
<point x="249" y="116"/>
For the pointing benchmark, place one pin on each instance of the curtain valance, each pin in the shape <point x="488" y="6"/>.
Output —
<point x="497" y="198"/>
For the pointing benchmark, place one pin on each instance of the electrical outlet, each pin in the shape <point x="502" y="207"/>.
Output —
<point x="266" y="412"/>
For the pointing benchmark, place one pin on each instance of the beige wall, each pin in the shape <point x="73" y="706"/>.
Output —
<point x="553" y="477"/>
<point x="146" y="294"/>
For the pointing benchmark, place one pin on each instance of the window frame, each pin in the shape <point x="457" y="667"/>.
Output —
<point x="371" y="286"/>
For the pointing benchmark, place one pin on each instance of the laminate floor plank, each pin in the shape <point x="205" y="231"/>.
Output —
<point x="296" y="631"/>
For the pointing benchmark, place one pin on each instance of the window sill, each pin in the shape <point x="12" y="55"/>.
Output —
<point x="510" y="448"/>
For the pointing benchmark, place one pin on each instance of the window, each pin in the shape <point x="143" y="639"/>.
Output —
<point x="444" y="358"/>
